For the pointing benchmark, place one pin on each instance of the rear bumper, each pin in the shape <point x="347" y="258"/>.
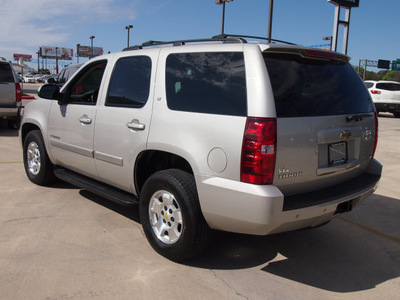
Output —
<point x="244" y="208"/>
<point x="9" y="112"/>
<point x="388" y="107"/>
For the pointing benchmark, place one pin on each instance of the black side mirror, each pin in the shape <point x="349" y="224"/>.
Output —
<point x="51" y="80"/>
<point x="49" y="91"/>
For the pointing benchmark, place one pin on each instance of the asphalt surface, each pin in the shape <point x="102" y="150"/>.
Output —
<point x="61" y="242"/>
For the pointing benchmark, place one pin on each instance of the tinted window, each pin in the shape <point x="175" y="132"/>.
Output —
<point x="85" y="89"/>
<point x="315" y="88"/>
<point x="61" y="77"/>
<point x="368" y="85"/>
<point x="130" y="82"/>
<point x="388" y="86"/>
<point x="6" y="74"/>
<point x="212" y="83"/>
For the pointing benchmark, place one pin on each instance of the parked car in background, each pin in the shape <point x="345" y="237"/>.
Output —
<point x="64" y="75"/>
<point x="10" y="94"/>
<point x="28" y="78"/>
<point x="385" y="95"/>
<point x="251" y="138"/>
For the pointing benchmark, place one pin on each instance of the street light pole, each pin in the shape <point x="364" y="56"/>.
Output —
<point x="56" y="60"/>
<point x="77" y="52"/>
<point x="223" y="12"/>
<point x="128" y="27"/>
<point x="271" y="8"/>
<point x="91" y="45"/>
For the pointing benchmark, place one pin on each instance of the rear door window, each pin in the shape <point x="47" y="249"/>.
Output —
<point x="211" y="82"/>
<point x="130" y="82"/>
<point x="305" y="87"/>
<point x="368" y="85"/>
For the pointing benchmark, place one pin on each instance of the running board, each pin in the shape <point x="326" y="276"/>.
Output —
<point x="96" y="187"/>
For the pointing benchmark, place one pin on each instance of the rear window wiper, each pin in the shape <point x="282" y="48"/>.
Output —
<point x="358" y="117"/>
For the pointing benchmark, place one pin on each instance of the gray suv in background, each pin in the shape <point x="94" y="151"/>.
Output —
<point x="64" y="75"/>
<point x="207" y="134"/>
<point x="10" y="95"/>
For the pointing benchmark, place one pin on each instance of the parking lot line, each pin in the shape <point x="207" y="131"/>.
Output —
<point x="369" y="229"/>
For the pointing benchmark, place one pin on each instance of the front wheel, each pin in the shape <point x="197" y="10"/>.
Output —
<point x="171" y="216"/>
<point x="37" y="164"/>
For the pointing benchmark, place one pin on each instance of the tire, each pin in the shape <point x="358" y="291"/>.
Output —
<point x="38" y="166"/>
<point x="396" y="115"/>
<point x="171" y="216"/>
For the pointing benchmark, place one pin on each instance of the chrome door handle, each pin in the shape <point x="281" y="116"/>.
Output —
<point x="135" y="125"/>
<point x="85" y="119"/>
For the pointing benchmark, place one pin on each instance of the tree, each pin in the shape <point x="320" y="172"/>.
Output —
<point x="392" y="76"/>
<point x="369" y="75"/>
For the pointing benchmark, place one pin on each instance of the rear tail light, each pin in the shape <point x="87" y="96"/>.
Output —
<point x="376" y="134"/>
<point x="18" y="92"/>
<point x="375" y="92"/>
<point x="259" y="151"/>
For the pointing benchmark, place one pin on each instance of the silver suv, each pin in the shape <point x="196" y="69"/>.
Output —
<point x="10" y="94"/>
<point x="210" y="134"/>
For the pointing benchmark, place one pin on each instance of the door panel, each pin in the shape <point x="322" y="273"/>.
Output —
<point x="71" y="124"/>
<point x="123" y="122"/>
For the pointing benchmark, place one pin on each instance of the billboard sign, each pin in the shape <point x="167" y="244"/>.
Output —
<point x="86" y="51"/>
<point x="346" y="3"/>
<point x="25" y="57"/>
<point x="56" y="52"/>
<point x="396" y="65"/>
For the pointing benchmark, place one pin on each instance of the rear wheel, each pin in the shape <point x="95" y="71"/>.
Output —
<point x="37" y="164"/>
<point x="171" y="216"/>
<point x="396" y="114"/>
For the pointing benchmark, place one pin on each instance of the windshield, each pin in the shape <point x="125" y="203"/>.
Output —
<point x="307" y="87"/>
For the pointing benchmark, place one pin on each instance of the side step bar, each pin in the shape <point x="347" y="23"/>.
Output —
<point x="98" y="188"/>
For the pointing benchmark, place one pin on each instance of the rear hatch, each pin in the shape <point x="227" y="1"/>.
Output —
<point x="326" y="121"/>
<point x="388" y="92"/>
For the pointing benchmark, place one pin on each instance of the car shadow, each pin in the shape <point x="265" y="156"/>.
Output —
<point x="351" y="253"/>
<point x="130" y="212"/>
<point x="354" y="252"/>
<point x="5" y="131"/>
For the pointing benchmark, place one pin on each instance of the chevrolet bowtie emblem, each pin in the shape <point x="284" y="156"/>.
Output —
<point x="345" y="134"/>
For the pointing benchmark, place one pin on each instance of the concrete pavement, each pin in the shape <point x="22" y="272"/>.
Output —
<point x="61" y="242"/>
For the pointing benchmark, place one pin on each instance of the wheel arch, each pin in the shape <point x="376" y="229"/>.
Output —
<point x="151" y="161"/>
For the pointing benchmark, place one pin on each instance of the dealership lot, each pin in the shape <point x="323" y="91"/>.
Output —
<point x="63" y="242"/>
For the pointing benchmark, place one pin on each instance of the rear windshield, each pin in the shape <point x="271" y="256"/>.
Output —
<point x="389" y="86"/>
<point x="6" y="74"/>
<point x="305" y="87"/>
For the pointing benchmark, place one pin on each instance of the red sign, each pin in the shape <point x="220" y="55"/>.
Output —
<point x="24" y="56"/>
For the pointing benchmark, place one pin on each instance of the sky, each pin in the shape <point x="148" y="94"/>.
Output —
<point x="26" y="25"/>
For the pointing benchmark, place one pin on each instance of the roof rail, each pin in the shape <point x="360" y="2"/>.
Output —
<point x="182" y="42"/>
<point x="225" y="38"/>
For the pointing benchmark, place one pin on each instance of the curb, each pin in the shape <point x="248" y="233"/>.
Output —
<point x="28" y="98"/>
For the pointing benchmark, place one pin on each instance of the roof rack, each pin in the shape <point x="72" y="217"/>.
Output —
<point x="225" y="38"/>
<point x="183" y="42"/>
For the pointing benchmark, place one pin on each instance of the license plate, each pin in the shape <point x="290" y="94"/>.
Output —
<point x="337" y="153"/>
